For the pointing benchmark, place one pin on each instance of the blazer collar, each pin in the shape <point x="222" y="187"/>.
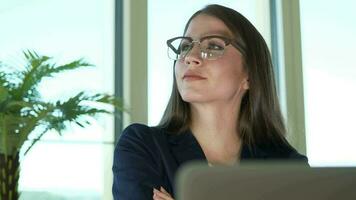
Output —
<point x="186" y="148"/>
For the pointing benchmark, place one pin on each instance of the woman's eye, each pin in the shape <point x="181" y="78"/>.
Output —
<point x="184" y="47"/>
<point x="213" y="46"/>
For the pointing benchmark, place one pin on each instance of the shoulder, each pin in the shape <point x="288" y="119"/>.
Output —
<point x="139" y="134"/>
<point x="136" y="129"/>
<point x="137" y="142"/>
<point x="273" y="153"/>
<point x="297" y="156"/>
<point x="287" y="153"/>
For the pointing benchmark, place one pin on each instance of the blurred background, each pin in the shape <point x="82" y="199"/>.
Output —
<point x="312" y="45"/>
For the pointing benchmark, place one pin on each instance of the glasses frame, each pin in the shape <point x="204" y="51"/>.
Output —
<point x="227" y="41"/>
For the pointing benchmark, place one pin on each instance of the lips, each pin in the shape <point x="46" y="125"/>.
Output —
<point x="192" y="76"/>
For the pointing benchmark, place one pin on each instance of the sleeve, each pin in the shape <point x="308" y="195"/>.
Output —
<point x="136" y="168"/>
<point x="295" y="157"/>
<point x="299" y="157"/>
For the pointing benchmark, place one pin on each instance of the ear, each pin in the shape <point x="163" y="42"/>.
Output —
<point x="246" y="84"/>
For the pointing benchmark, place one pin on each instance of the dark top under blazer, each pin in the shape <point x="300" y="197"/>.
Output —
<point x="148" y="157"/>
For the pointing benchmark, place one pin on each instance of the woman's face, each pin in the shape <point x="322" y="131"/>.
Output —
<point x="203" y="81"/>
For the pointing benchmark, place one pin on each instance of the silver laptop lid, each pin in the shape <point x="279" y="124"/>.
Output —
<point x="265" y="181"/>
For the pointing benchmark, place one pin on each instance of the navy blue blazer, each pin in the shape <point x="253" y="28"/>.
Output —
<point x="148" y="157"/>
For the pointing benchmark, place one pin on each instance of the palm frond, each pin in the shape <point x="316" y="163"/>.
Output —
<point x="7" y="79"/>
<point x="4" y="91"/>
<point x="107" y="100"/>
<point x="22" y="110"/>
<point x="73" y="110"/>
<point x="32" y="75"/>
<point x="32" y="121"/>
<point x="38" y="68"/>
<point x="3" y="79"/>
<point x="70" y="66"/>
<point x="4" y="94"/>
<point x="34" y="141"/>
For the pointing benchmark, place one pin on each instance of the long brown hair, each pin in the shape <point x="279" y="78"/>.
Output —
<point x="260" y="120"/>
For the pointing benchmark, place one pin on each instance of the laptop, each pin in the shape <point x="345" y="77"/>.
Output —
<point x="265" y="181"/>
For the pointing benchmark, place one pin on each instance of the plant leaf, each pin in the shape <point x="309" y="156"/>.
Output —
<point x="38" y="68"/>
<point x="22" y="110"/>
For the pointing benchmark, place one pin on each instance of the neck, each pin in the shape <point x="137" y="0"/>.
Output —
<point x="215" y="128"/>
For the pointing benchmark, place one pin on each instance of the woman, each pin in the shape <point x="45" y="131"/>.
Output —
<point x="223" y="108"/>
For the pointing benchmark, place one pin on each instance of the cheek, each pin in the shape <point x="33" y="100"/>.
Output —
<point x="228" y="81"/>
<point x="225" y="83"/>
<point x="178" y="70"/>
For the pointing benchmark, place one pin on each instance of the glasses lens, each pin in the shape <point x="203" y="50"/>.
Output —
<point x="179" y="48"/>
<point x="212" y="48"/>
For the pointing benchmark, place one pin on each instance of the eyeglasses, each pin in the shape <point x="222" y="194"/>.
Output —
<point x="211" y="47"/>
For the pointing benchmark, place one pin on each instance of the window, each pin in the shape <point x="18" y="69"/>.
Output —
<point x="77" y="165"/>
<point x="329" y="46"/>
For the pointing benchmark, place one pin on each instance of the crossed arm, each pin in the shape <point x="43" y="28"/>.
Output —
<point x="137" y="170"/>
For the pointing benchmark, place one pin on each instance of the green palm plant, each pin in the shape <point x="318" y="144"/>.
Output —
<point x="23" y="113"/>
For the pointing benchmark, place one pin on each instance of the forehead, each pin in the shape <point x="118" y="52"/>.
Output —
<point x="204" y="25"/>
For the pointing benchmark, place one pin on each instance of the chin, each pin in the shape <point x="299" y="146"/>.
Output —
<point x="193" y="98"/>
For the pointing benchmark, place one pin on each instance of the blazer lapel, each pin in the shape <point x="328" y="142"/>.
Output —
<point x="254" y="153"/>
<point x="185" y="148"/>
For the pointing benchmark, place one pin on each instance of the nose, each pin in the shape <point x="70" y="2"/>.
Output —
<point x="193" y="57"/>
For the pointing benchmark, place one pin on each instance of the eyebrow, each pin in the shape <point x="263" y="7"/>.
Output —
<point x="219" y="32"/>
